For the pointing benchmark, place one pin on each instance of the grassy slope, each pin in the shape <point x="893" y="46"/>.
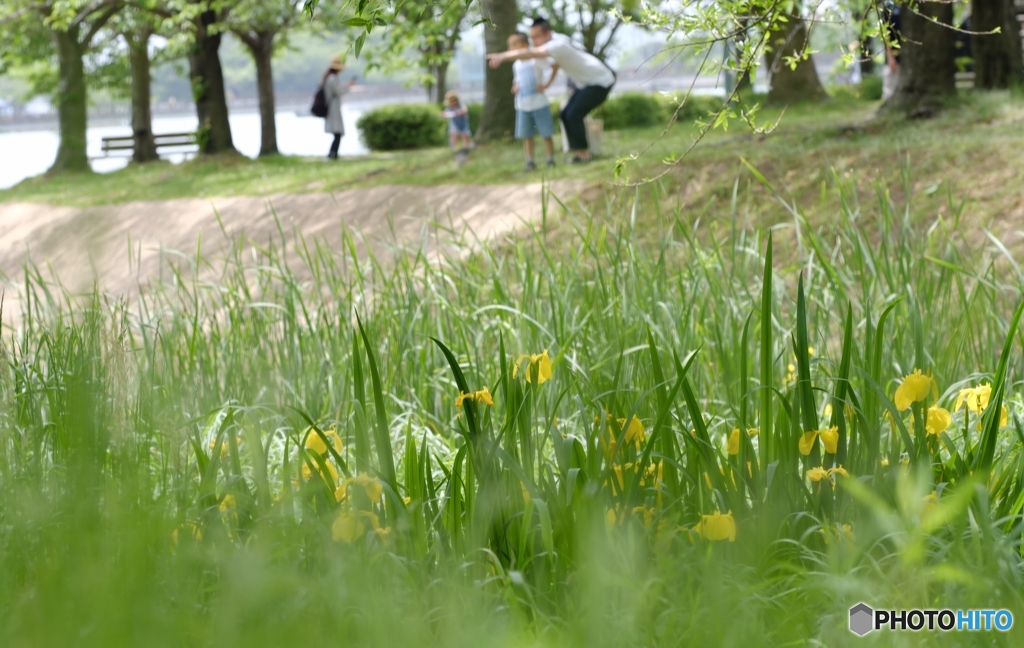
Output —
<point x="975" y="147"/>
<point x="87" y="560"/>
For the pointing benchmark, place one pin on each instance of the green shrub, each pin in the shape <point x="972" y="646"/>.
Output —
<point x="405" y="126"/>
<point x="695" y="107"/>
<point x="871" y="88"/>
<point x="639" y="110"/>
<point x="632" y="110"/>
<point x="475" y="110"/>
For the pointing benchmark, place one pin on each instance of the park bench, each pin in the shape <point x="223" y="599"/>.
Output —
<point x="164" y="140"/>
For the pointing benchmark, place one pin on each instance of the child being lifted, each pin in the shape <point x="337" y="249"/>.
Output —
<point x="533" y="114"/>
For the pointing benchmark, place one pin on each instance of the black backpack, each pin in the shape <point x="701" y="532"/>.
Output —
<point x="319" y="108"/>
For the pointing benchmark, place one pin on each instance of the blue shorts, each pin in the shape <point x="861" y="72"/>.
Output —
<point x="459" y="125"/>
<point x="534" y="122"/>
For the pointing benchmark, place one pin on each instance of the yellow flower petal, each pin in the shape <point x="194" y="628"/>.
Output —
<point x="830" y="438"/>
<point x="914" y="388"/>
<point x="984" y="392"/>
<point x="635" y="431"/>
<point x="539" y="366"/>
<point x="838" y="470"/>
<point x="717" y="527"/>
<point x="733" y="445"/>
<point x="817" y="474"/>
<point x="347" y="528"/>
<point x="938" y="420"/>
<point x="484" y="396"/>
<point x="370" y="486"/>
<point x="317" y="445"/>
<point x="807" y="442"/>
<point x="308" y="474"/>
<point x="228" y="503"/>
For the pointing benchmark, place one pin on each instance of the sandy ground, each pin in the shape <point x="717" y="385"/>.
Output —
<point x="127" y="245"/>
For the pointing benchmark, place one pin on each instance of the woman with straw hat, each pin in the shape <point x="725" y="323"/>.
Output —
<point x="333" y="90"/>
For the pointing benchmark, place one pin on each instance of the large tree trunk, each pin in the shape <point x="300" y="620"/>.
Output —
<point x="997" y="57"/>
<point x="498" y="117"/>
<point x="927" y="67"/>
<point x="261" y="45"/>
<point x="439" y="88"/>
<point x="785" y="85"/>
<point x="208" y="88"/>
<point x="71" y="103"/>
<point x="142" y="113"/>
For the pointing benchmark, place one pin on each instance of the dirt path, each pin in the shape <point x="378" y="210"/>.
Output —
<point x="77" y="246"/>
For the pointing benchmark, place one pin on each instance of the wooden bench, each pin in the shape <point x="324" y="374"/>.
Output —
<point x="162" y="141"/>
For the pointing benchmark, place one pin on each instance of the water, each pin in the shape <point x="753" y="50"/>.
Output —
<point x="29" y="153"/>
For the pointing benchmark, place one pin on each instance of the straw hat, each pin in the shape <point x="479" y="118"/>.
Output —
<point x="336" y="64"/>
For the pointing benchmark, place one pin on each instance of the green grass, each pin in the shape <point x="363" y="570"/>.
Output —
<point x="493" y="163"/>
<point x="154" y="491"/>
<point x="971" y="151"/>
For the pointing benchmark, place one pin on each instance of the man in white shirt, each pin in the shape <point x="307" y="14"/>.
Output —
<point x="593" y="77"/>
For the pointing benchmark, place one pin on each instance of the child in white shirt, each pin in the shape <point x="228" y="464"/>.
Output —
<point x="533" y="114"/>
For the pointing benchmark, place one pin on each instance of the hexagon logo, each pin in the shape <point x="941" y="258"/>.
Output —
<point x="862" y="619"/>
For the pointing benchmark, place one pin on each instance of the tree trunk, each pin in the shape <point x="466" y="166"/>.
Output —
<point x="788" y="86"/>
<point x="997" y="57"/>
<point x="207" y="77"/>
<point x="440" y="85"/>
<point x="262" y="47"/>
<point x="927" y="67"/>
<point x="498" y="117"/>
<point x="142" y="114"/>
<point x="71" y="103"/>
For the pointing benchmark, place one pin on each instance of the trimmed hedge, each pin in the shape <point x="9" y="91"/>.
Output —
<point x="640" y="110"/>
<point x="475" y="109"/>
<point x="404" y="126"/>
<point x="870" y="89"/>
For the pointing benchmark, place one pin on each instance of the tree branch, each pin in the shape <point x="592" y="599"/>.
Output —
<point x="88" y="10"/>
<point x="98" y="24"/>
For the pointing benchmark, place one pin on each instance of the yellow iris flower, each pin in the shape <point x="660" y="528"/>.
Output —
<point x="370" y="486"/>
<point x="188" y="529"/>
<point x="480" y="396"/>
<point x="938" y="420"/>
<point x="317" y="445"/>
<point x="717" y="527"/>
<point x="838" y="470"/>
<point x="817" y="474"/>
<point x="352" y="525"/>
<point x="539" y="366"/>
<point x="635" y="433"/>
<point x="228" y="503"/>
<point x="733" y="445"/>
<point x="914" y="389"/>
<point x="976" y="398"/>
<point x="308" y="474"/>
<point x="829" y="437"/>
